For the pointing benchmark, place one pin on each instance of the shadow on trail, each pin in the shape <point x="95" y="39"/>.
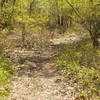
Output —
<point x="36" y="64"/>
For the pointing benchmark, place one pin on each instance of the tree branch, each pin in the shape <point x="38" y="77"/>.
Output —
<point x="77" y="12"/>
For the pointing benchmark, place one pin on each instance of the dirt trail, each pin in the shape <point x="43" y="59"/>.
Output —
<point x="35" y="79"/>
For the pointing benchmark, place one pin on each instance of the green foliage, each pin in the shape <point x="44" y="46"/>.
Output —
<point x="5" y="75"/>
<point x="79" y="63"/>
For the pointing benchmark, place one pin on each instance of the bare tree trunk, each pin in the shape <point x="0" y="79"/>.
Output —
<point x="94" y="40"/>
<point x="23" y="36"/>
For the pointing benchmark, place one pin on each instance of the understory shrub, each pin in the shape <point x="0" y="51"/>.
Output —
<point x="6" y="72"/>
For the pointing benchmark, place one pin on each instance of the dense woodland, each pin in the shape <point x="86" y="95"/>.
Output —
<point x="28" y="24"/>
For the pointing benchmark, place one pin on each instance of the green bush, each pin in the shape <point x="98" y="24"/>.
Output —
<point x="6" y="72"/>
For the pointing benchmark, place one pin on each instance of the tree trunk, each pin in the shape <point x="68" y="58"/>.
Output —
<point x="94" y="40"/>
<point x="23" y="36"/>
<point x="60" y="20"/>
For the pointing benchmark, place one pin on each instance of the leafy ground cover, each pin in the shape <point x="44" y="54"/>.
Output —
<point x="80" y="63"/>
<point x="6" y="72"/>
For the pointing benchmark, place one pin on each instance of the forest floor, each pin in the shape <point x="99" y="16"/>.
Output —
<point x="35" y="78"/>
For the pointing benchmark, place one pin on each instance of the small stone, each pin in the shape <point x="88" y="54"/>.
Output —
<point x="30" y="64"/>
<point x="58" y="80"/>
